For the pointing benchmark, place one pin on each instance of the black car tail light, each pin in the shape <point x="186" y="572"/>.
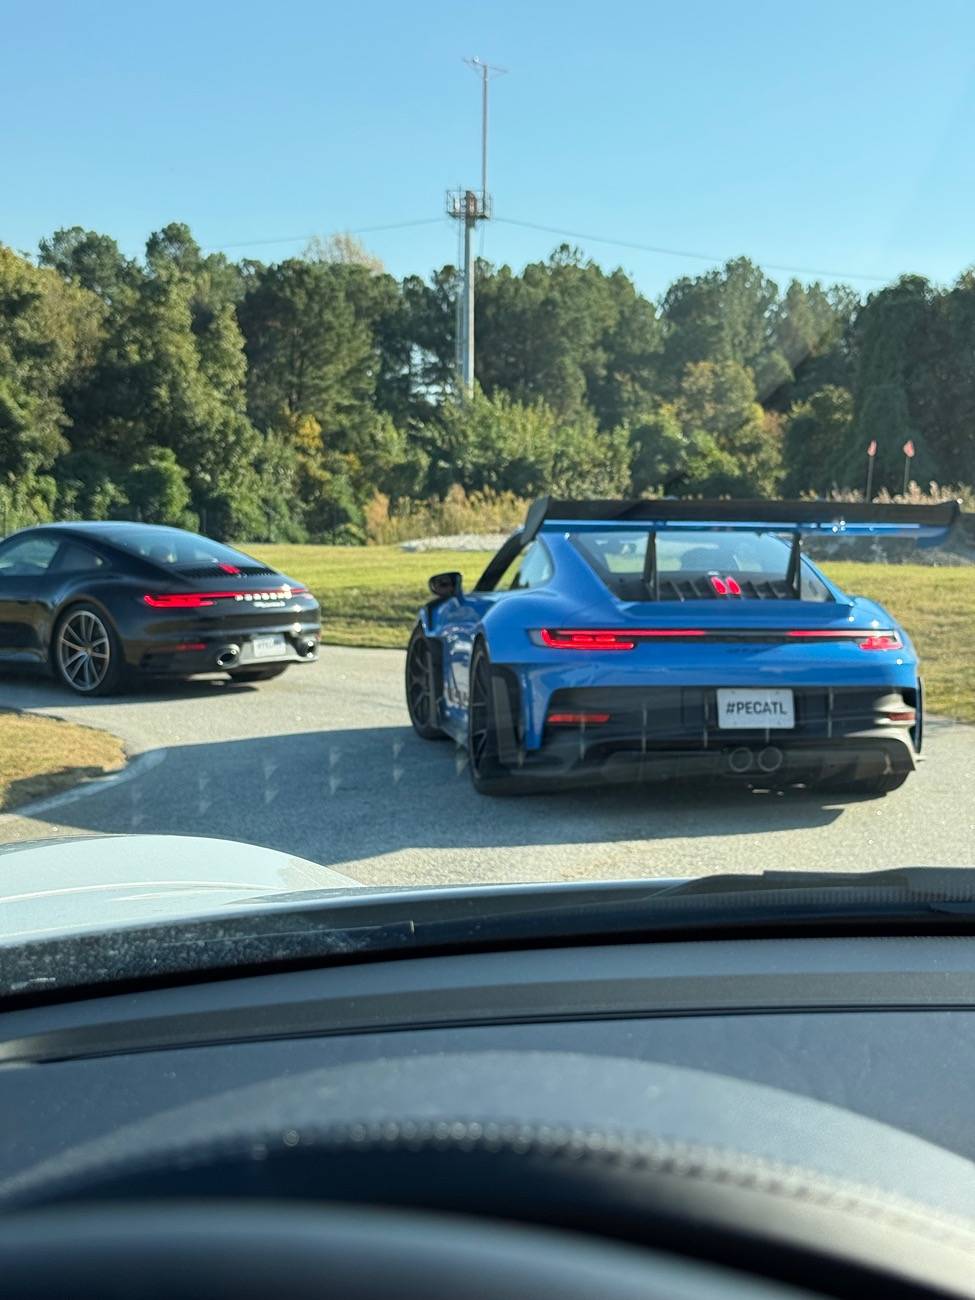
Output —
<point x="201" y="599"/>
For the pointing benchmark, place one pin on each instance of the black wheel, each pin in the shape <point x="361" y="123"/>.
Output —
<point x="257" y="674"/>
<point x="86" y="651"/>
<point x="488" y="774"/>
<point x="421" y="700"/>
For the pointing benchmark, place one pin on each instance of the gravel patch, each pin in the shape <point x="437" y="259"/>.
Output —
<point x="457" y="542"/>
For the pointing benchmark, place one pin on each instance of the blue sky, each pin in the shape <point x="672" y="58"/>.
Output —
<point x="819" y="135"/>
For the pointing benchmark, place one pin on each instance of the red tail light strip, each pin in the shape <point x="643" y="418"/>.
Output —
<point x="577" y="719"/>
<point x="883" y="639"/>
<point x="200" y="599"/>
<point x="626" y="638"/>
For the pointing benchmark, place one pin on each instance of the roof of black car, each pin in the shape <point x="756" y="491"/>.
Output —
<point x="100" y="525"/>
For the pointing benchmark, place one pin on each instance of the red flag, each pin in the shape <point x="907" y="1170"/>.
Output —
<point x="872" y="447"/>
<point x="909" y="449"/>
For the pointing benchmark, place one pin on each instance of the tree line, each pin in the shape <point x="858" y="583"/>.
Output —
<point x="280" y="402"/>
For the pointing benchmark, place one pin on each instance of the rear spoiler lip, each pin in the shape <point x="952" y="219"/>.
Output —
<point x="928" y="524"/>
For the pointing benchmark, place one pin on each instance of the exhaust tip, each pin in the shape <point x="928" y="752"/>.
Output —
<point x="228" y="656"/>
<point x="741" y="759"/>
<point x="770" y="759"/>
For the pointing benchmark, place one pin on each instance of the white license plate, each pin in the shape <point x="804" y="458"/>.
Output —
<point x="755" y="710"/>
<point x="264" y="647"/>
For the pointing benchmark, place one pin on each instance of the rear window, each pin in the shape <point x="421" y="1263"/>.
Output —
<point x="687" y="559"/>
<point x="174" y="547"/>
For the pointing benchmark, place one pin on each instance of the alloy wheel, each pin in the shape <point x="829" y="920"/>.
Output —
<point x="84" y="651"/>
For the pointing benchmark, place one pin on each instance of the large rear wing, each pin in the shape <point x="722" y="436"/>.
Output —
<point x="927" y="525"/>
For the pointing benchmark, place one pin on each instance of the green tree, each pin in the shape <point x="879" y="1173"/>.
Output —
<point x="158" y="491"/>
<point x="717" y="400"/>
<point x="566" y="333"/>
<point x="669" y="459"/>
<point x="726" y="316"/>
<point x="170" y="368"/>
<point x="48" y="334"/>
<point x="87" y="488"/>
<point x="819" y="443"/>
<point x="503" y="445"/>
<point x="893" y="331"/>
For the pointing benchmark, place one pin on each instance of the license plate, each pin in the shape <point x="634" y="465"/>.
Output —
<point x="264" y="647"/>
<point x="756" y="710"/>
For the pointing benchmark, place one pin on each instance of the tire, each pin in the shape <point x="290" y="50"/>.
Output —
<point x="488" y="774"/>
<point x="421" y="702"/>
<point x="86" y="652"/>
<point x="258" y="674"/>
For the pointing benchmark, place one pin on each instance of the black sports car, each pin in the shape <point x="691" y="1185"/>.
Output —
<point x="97" y="602"/>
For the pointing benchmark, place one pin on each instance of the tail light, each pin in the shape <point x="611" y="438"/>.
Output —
<point x="881" y="641"/>
<point x="201" y="599"/>
<point x="597" y="639"/>
<point x="583" y="718"/>
<point x="603" y="638"/>
<point x="188" y="601"/>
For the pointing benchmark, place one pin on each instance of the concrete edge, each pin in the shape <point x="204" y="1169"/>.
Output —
<point x="135" y="767"/>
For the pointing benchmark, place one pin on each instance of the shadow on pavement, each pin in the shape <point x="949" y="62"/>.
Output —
<point x="23" y="690"/>
<point x="337" y="797"/>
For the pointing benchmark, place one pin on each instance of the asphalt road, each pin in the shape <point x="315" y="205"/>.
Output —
<point x="322" y="762"/>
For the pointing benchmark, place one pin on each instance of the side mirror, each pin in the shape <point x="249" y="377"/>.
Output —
<point x="445" y="585"/>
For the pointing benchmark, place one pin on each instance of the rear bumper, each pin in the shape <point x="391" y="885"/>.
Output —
<point x="663" y="733"/>
<point x="757" y="764"/>
<point x="212" y="651"/>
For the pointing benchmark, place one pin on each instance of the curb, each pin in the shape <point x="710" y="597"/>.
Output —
<point x="136" y="767"/>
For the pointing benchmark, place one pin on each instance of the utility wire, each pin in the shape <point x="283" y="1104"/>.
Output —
<point x="683" y="252"/>
<point x="656" y="249"/>
<point x="297" y="239"/>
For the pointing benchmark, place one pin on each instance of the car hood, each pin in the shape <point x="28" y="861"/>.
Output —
<point x="65" y="886"/>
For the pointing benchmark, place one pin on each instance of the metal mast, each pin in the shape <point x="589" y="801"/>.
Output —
<point x="472" y="206"/>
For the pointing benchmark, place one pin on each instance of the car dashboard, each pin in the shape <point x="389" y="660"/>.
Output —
<point x="572" y="1089"/>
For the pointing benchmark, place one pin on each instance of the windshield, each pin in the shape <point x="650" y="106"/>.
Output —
<point x="551" y="436"/>
<point x="688" y="552"/>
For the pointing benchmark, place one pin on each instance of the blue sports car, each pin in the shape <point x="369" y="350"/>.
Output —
<point x="654" y="639"/>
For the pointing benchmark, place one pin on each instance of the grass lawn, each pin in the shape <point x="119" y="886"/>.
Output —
<point x="370" y="596"/>
<point x="42" y="756"/>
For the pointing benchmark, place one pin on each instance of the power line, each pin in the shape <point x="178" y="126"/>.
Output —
<point x="696" y="256"/>
<point x="297" y="239"/>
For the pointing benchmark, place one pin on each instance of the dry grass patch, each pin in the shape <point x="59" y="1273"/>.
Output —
<point x="42" y="756"/>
